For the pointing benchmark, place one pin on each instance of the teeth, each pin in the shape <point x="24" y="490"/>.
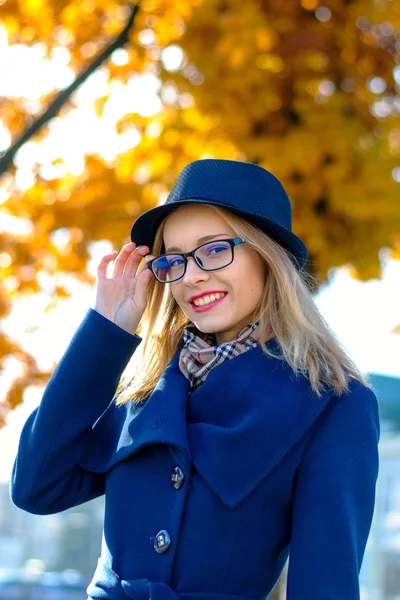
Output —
<point x="207" y="299"/>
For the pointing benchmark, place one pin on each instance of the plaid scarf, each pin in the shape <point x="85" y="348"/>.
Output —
<point x="200" y="354"/>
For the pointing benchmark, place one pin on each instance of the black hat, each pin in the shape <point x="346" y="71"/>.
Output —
<point x="245" y="189"/>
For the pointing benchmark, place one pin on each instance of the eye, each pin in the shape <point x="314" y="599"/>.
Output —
<point x="216" y="249"/>
<point x="175" y="261"/>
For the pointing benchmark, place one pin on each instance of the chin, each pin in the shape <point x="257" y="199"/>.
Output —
<point x="210" y="328"/>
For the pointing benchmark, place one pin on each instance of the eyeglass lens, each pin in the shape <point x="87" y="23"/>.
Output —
<point x="213" y="255"/>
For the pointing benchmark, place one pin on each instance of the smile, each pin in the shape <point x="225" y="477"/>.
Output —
<point x="207" y="306"/>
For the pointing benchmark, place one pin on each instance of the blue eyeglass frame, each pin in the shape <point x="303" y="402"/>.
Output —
<point x="185" y="255"/>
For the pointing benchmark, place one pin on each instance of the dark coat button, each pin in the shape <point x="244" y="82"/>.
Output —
<point x="177" y="477"/>
<point x="162" y="541"/>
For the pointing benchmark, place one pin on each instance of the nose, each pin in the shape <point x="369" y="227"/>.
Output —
<point x="194" y="272"/>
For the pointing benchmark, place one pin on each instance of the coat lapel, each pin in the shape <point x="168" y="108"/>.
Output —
<point x="122" y="430"/>
<point x="236" y="427"/>
<point x="245" y="418"/>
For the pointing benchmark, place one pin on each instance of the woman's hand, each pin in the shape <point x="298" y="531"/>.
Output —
<point x="122" y="298"/>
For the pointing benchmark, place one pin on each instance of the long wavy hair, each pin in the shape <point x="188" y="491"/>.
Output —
<point x="286" y="307"/>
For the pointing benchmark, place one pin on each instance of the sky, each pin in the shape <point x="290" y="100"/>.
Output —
<point x="361" y="314"/>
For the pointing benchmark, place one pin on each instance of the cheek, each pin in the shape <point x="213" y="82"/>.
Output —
<point x="251" y="276"/>
<point x="260" y="275"/>
<point x="256" y="283"/>
<point x="177" y="294"/>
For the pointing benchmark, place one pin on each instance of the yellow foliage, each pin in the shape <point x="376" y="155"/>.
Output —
<point x="275" y="82"/>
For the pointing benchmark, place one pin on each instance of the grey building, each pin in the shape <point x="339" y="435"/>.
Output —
<point x="381" y="567"/>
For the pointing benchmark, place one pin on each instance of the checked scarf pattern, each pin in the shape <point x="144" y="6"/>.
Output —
<point x="200" y="353"/>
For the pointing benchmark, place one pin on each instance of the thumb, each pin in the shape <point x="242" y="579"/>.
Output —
<point x="140" y="294"/>
<point x="145" y="277"/>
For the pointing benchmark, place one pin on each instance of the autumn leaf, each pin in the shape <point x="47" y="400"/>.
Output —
<point x="306" y="90"/>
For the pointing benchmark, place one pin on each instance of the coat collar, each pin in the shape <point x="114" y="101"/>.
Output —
<point x="236" y="427"/>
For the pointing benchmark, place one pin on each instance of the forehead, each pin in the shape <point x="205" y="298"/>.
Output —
<point x="193" y="218"/>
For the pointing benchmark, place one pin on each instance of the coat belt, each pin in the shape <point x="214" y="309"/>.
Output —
<point x="106" y="584"/>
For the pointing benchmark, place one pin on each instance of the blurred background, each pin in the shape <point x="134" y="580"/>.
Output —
<point x="102" y="103"/>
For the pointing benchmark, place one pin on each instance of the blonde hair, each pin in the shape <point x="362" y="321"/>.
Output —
<point x="286" y="306"/>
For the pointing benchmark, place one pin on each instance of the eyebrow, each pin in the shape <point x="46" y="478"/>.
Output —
<point x="202" y="239"/>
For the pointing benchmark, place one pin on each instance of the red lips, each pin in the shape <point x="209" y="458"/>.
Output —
<point x="195" y="296"/>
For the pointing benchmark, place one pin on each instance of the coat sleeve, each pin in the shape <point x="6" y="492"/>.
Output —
<point x="334" y="497"/>
<point x="46" y="477"/>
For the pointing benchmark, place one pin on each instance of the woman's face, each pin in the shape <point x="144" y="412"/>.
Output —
<point x="243" y="280"/>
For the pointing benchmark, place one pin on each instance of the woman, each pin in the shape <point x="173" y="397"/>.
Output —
<point x="246" y="433"/>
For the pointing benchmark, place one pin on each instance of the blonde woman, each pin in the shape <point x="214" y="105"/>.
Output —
<point x="245" y="435"/>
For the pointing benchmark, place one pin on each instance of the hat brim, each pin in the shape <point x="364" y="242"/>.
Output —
<point x="145" y="228"/>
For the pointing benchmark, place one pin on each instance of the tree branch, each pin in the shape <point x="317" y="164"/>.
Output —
<point x="54" y="107"/>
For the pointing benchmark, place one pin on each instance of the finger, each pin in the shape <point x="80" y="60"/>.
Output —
<point x="103" y="264"/>
<point x="134" y="260"/>
<point x="144" y="272"/>
<point x="143" y="265"/>
<point x="141" y="289"/>
<point x="120" y="261"/>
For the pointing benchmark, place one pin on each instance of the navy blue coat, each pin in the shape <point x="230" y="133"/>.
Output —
<point x="269" y="468"/>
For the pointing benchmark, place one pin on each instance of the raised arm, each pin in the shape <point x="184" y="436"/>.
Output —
<point x="334" y="500"/>
<point x="46" y="477"/>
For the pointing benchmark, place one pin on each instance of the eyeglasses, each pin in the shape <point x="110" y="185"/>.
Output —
<point x="210" y="256"/>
